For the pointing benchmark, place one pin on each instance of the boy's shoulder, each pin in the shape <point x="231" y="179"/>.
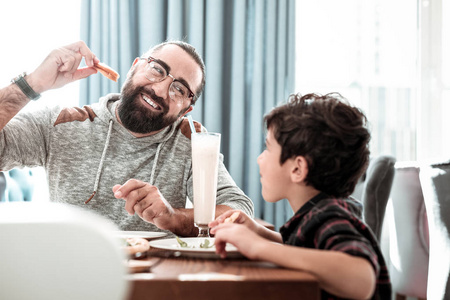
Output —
<point x="345" y="207"/>
<point x="323" y="213"/>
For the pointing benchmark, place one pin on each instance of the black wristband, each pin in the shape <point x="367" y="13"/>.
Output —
<point x="25" y="87"/>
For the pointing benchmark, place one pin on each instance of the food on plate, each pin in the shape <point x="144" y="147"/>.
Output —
<point x="204" y="245"/>
<point x="107" y="71"/>
<point x="182" y="243"/>
<point x="136" y="245"/>
<point x="232" y="218"/>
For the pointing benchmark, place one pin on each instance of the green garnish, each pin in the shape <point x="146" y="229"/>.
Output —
<point x="206" y="244"/>
<point x="183" y="244"/>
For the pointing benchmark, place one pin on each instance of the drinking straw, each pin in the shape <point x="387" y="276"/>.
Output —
<point x="191" y="123"/>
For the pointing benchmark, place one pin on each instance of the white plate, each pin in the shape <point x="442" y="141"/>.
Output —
<point x="194" y="249"/>
<point x="149" y="235"/>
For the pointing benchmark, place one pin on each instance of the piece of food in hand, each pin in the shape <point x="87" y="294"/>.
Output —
<point x="107" y="71"/>
<point x="136" y="245"/>
<point x="232" y="218"/>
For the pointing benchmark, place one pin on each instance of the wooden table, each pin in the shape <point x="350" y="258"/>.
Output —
<point x="195" y="278"/>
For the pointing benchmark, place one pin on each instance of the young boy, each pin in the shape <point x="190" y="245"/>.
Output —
<point x="316" y="149"/>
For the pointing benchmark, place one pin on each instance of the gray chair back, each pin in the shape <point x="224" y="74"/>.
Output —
<point x="373" y="190"/>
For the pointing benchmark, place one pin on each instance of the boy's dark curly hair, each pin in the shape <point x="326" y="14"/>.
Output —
<point x="331" y="134"/>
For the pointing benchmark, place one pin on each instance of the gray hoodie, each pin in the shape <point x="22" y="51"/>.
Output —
<point x="85" y="150"/>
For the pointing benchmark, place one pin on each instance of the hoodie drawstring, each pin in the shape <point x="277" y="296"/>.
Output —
<point x="102" y="160"/>
<point x="158" y="150"/>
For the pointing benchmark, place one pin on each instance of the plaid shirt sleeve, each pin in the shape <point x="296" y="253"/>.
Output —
<point x="329" y="225"/>
<point x="332" y="225"/>
<point x="341" y="235"/>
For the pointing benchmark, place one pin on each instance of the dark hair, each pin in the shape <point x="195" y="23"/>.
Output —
<point x="189" y="49"/>
<point x="331" y="134"/>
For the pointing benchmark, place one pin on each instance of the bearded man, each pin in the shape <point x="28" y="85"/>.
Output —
<point x="127" y="157"/>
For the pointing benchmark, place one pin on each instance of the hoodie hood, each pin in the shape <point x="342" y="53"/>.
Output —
<point x="105" y="110"/>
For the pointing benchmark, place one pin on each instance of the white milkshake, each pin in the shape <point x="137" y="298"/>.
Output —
<point x="205" y="164"/>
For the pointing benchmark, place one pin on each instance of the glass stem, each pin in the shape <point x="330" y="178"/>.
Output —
<point x="203" y="231"/>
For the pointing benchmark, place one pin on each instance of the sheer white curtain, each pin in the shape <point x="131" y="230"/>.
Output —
<point x="367" y="51"/>
<point x="434" y="142"/>
<point x="391" y="58"/>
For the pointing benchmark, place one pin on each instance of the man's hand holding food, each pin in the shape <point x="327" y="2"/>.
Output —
<point x="61" y="67"/>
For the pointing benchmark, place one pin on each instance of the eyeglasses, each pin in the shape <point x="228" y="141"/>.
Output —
<point x="155" y="72"/>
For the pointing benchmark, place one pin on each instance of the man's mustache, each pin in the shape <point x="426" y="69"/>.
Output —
<point x="158" y="100"/>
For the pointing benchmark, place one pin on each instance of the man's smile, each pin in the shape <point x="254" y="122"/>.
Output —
<point x="150" y="102"/>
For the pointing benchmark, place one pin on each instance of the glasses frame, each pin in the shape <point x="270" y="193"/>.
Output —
<point x="150" y="59"/>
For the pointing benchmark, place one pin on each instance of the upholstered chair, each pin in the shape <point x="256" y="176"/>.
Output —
<point x="57" y="251"/>
<point x="408" y="234"/>
<point x="373" y="191"/>
<point x="435" y="182"/>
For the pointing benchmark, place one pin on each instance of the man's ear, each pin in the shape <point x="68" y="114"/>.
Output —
<point x="187" y="110"/>
<point x="299" y="169"/>
<point x="133" y="66"/>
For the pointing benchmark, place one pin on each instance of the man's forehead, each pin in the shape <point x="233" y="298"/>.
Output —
<point x="180" y="63"/>
<point x="168" y="51"/>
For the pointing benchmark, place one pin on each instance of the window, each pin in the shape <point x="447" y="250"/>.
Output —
<point x="435" y="79"/>
<point x="29" y="31"/>
<point x="376" y="55"/>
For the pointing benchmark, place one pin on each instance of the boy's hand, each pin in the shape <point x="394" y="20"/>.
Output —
<point x="237" y="228"/>
<point x="245" y="240"/>
<point x="233" y="216"/>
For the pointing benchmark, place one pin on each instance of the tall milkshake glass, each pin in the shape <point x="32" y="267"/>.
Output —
<point x="205" y="164"/>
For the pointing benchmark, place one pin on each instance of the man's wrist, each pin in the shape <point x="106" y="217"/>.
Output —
<point x="184" y="222"/>
<point x="24" y="86"/>
<point x="31" y="79"/>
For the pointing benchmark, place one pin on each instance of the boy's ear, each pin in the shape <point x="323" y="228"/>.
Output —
<point x="299" y="169"/>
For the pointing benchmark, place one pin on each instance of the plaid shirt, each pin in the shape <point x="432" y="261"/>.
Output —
<point x="335" y="224"/>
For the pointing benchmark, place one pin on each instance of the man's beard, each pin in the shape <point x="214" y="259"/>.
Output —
<point x="139" y="119"/>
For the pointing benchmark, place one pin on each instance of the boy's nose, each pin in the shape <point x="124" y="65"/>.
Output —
<point x="258" y="159"/>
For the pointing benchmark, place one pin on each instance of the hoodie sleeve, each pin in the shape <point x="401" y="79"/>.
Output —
<point x="24" y="140"/>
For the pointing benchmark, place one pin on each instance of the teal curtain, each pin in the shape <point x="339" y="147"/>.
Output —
<point x="249" y="51"/>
